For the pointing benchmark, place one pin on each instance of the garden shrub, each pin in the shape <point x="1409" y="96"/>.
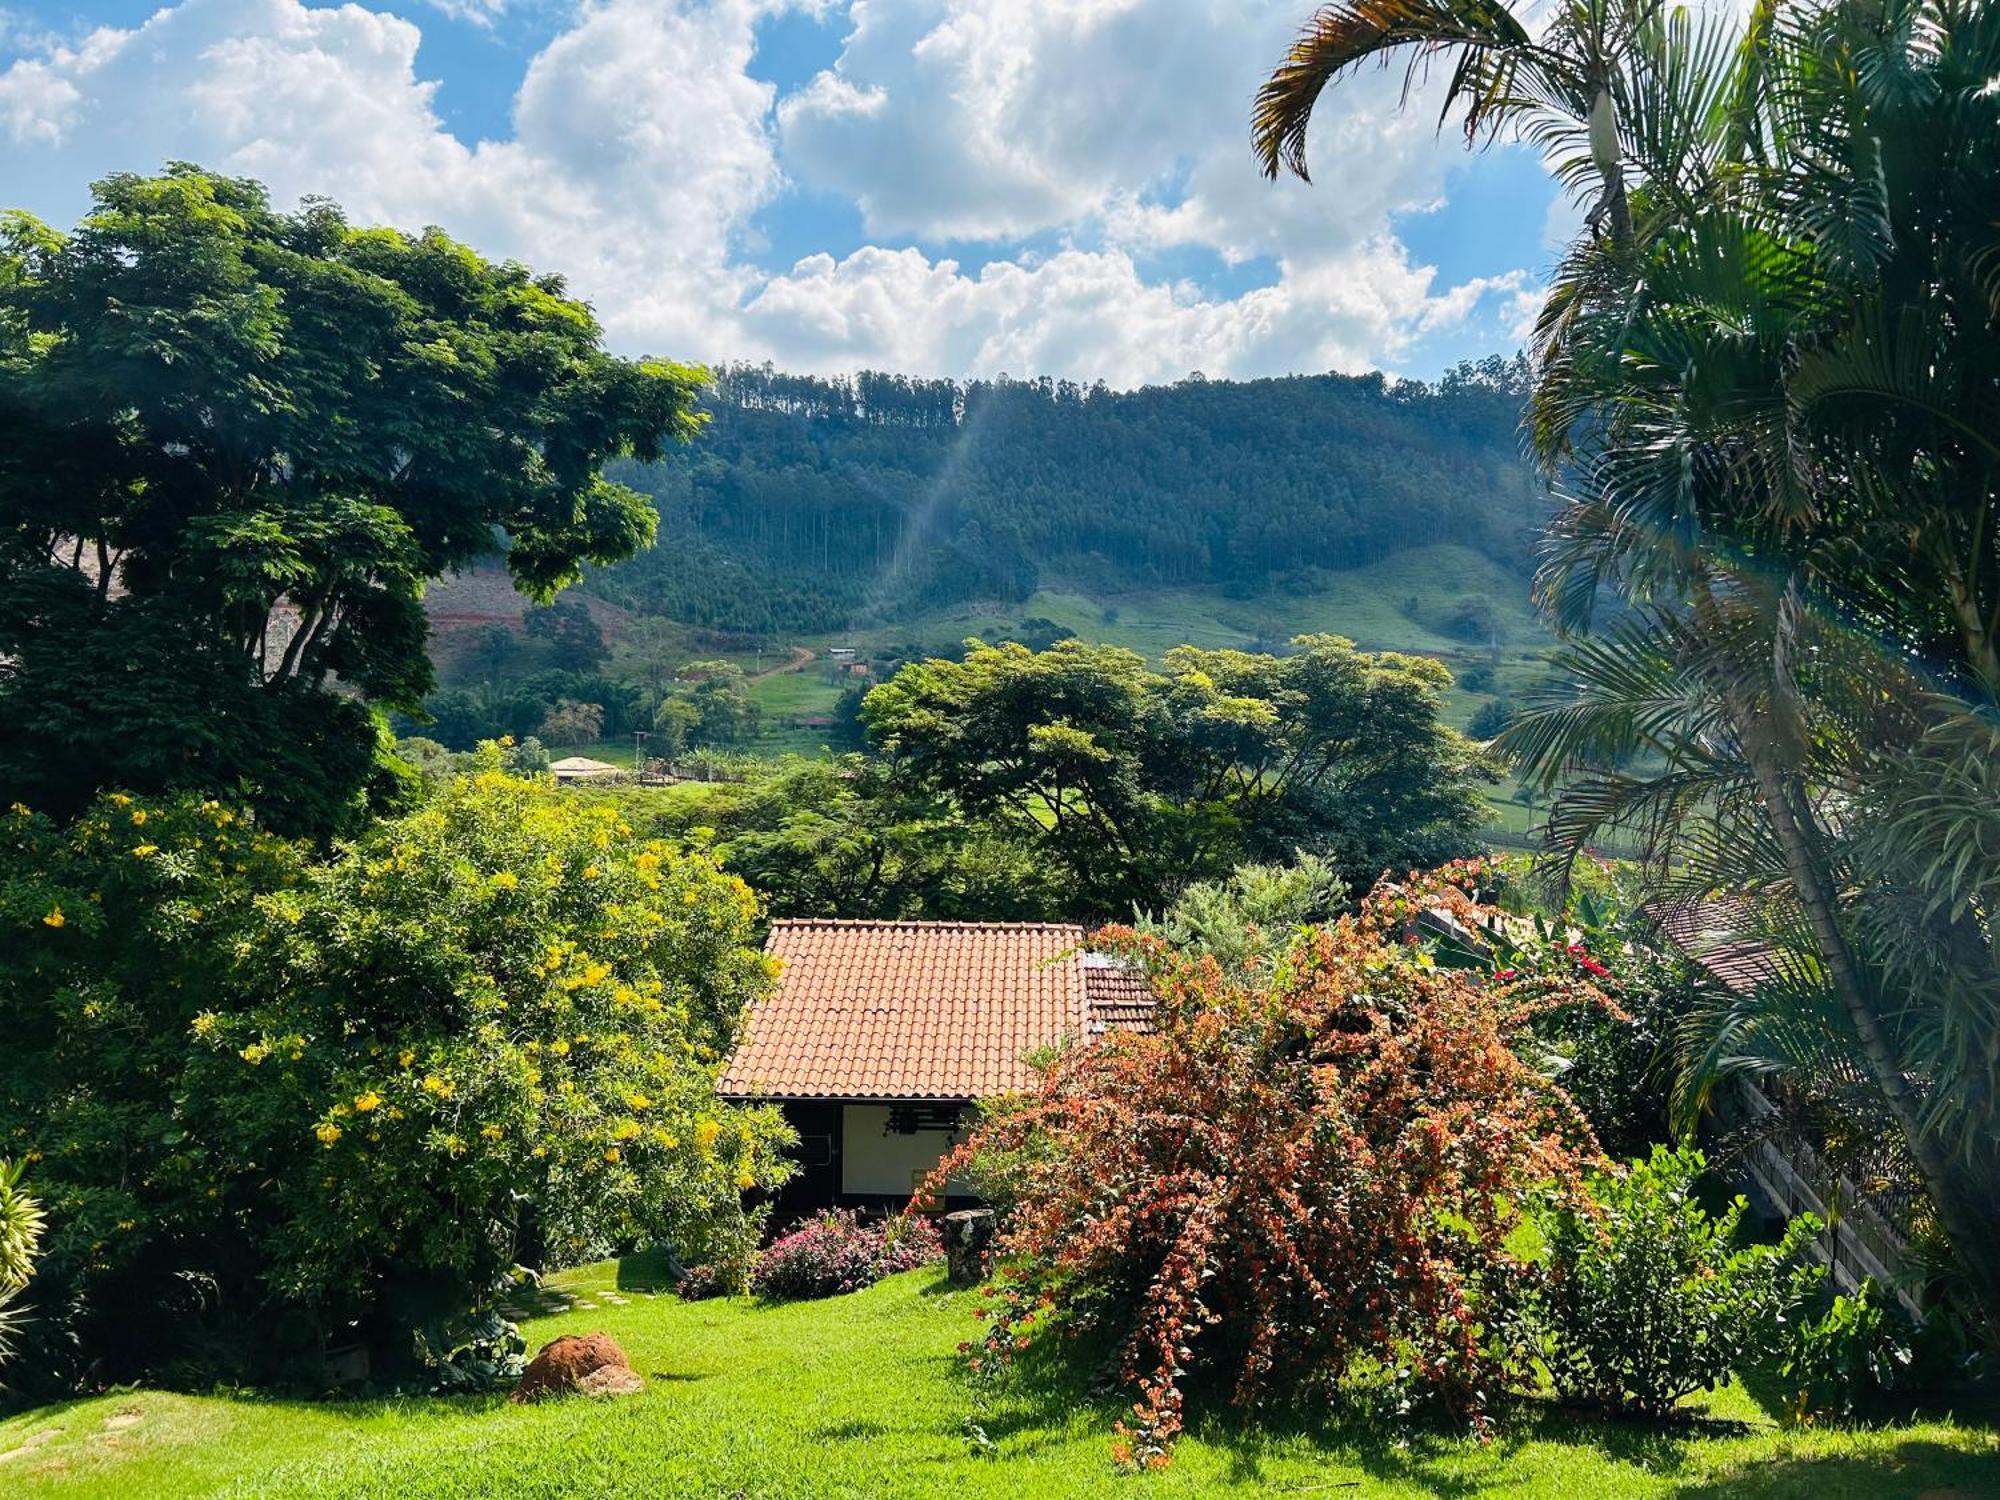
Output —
<point x="1855" y="1352"/>
<point x="835" y="1251"/>
<point x="712" y="1278"/>
<point x="1300" y="1177"/>
<point x="277" y="1099"/>
<point x="1864" y="1353"/>
<point x="1645" y="1297"/>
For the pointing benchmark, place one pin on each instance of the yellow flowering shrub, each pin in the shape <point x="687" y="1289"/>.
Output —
<point x="364" y="1073"/>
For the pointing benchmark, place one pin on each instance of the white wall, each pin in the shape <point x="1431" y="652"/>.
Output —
<point x="888" y="1165"/>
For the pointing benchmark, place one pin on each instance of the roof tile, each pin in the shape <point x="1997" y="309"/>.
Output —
<point x="922" y="1010"/>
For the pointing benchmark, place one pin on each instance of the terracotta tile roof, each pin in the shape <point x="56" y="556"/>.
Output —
<point x="1117" y="998"/>
<point x="916" y="1010"/>
<point x="1711" y="932"/>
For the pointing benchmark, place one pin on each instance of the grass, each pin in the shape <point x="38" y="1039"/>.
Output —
<point x="864" y="1396"/>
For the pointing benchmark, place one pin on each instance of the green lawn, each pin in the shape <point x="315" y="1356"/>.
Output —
<point x="863" y="1396"/>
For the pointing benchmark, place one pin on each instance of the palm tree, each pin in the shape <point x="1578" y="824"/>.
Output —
<point x="1765" y="393"/>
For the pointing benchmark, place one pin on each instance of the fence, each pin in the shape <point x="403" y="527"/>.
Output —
<point x="1866" y="1236"/>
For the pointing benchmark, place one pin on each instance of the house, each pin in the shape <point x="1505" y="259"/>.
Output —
<point x="581" y="768"/>
<point x="879" y="1037"/>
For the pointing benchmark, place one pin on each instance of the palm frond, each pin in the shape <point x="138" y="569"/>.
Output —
<point x="1340" y="38"/>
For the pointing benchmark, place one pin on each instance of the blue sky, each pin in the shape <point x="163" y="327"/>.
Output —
<point x="952" y="187"/>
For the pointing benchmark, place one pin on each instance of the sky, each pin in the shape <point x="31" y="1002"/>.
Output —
<point x="936" y="187"/>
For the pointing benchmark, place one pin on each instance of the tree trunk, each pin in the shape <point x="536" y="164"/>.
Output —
<point x="1962" y="1208"/>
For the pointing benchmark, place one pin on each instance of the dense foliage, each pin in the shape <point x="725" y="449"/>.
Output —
<point x="1299" y="1178"/>
<point x="1133" y="781"/>
<point x="1766" y="381"/>
<point x="273" y="1098"/>
<point x="836" y="1251"/>
<point x="239" y="442"/>
<point x="1649" y="1298"/>
<point x="818" y="504"/>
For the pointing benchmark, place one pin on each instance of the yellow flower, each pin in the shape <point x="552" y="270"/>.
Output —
<point x="255" y="1053"/>
<point x="491" y="1132"/>
<point x="143" y="851"/>
<point x="328" y="1133"/>
<point x="590" y="872"/>
<point x="647" y="861"/>
<point x="368" y="1102"/>
<point x="745" y="1181"/>
<point x="119" y="799"/>
<point x="625" y="1130"/>
<point x="405" y="1058"/>
<point x="638" y="1103"/>
<point x="204" y="1024"/>
<point x="138" y="817"/>
<point x="706" y="1133"/>
<point x="506" y="880"/>
<point x="560" y="1048"/>
<point x="55" y="918"/>
<point x="611" y="1153"/>
<point x="439" y="1086"/>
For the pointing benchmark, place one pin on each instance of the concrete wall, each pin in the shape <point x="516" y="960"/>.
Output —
<point x="873" y="1164"/>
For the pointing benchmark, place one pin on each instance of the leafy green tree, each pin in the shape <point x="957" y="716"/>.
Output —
<point x="850" y="837"/>
<point x="239" y="442"/>
<point x="710" y="707"/>
<point x="648" y="652"/>
<point x="1135" y="781"/>
<point x="430" y="759"/>
<point x="355" y="1091"/>
<point x="576" y="644"/>
<point x="573" y="723"/>
<point x="1490" y="718"/>
<point x="491" y="651"/>
<point x="1245" y="922"/>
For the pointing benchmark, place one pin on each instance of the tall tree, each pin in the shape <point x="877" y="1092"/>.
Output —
<point x="239" y="442"/>
<point x="1768" y="387"/>
<point x="1135" y="781"/>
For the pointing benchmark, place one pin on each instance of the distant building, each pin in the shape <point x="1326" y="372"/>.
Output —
<point x="880" y="1036"/>
<point x="581" y="768"/>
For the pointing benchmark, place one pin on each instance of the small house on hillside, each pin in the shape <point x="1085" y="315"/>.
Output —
<point x="581" y="768"/>
<point x="879" y="1036"/>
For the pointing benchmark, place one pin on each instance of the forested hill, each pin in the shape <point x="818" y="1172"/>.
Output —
<point x="815" y="504"/>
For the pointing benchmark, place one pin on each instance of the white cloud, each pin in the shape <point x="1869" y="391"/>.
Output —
<point x="473" y="12"/>
<point x="641" y="151"/>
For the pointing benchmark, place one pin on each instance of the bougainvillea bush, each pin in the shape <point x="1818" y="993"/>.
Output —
<point x="835" y="1251"/>
<point x="275" y="1097"/>
<point x="1303" y="1181"/>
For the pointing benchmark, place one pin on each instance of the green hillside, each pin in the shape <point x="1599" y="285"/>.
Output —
<point x="813" y="506"/>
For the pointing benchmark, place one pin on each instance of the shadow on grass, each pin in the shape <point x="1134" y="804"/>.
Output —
<point x="1915" y="1467"/>
<point x="645" y="1271"/>
<point x="1037" y="1403"/>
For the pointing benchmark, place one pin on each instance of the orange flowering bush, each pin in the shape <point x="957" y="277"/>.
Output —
<point x="1295" y="1181"/>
